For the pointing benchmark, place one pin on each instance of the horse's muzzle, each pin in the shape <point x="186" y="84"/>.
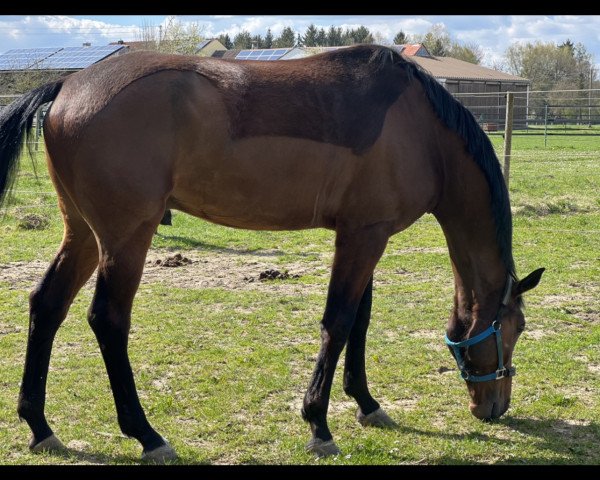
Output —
<point x="489" y="410"/>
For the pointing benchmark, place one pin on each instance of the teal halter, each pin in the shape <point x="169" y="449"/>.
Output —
<point x="493" y="329"/>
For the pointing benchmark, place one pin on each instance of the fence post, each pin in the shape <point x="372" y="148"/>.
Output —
<point x="508" y="127"/>
<point x="545" y="124"/>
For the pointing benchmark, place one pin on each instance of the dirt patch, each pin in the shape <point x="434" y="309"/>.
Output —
<point x="594" y="368"/>
<point x="428" y="334"/>
<point x="582" y="305"/>
<point x="272" y="274"/>
<point x="570" y="299"/>
<point x="226" y="269"/>
<point x="441" y="370"/>
<point x="233" y="271"/>
<point x="536" y="334"/>
<point x="22" y="274"/>
<point x="562" y="206"/>
<point x="32" y="221"/>
<point x="176" y="260"/>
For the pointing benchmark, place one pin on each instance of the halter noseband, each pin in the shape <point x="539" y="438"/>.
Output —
<point x="494" y="329"/>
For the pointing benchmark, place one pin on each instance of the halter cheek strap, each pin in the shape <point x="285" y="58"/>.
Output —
<point x="493" y="329"/>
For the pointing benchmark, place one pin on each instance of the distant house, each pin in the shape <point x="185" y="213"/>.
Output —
<point x="475" y="86"/>
<point x="204" y="49"/>
<point x="207" y="47"/>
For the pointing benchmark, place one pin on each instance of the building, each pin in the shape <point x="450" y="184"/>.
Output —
<point x="22" y="69"/>
<point x="480" y="89"/>
<point x="204" y="49"/>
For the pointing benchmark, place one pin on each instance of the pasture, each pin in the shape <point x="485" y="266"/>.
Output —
<point x="222" y="359"/>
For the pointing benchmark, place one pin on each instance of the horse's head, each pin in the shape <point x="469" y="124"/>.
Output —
<point x="484" y="355"/>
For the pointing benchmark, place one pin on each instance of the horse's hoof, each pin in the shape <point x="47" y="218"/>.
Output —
<point x="162" y="454"/>
<point x="378" y="418"/>
<point x="50" y="444"/>
<point x="322" y="448"/>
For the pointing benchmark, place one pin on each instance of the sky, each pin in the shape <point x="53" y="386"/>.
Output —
<point x="493" y="33"/>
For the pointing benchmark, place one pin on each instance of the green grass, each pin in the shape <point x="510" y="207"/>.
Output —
<point x="222" y="371"/>
<point x="559" y="139"/>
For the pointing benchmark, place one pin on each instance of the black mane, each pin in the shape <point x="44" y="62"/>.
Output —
<point x="456" y="117"/>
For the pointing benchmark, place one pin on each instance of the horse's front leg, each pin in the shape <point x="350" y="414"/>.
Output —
<point x="357" y="252"/>
<point x="369" y="412"/>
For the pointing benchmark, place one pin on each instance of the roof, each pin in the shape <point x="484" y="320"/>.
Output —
<point x="415" y="49"/>
<point x="454" y="69"/>
<point x="56" y="58"/>
<point x="134" y="45"/>
<point x="262" y="54"/>
<point x="203" y="44"/>
<point x="227" y="53"/>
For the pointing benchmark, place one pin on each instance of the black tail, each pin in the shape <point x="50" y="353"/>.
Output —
<point x="15" y="123"/>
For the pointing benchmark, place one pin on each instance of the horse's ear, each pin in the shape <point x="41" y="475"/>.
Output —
<point x="529" y="282"/>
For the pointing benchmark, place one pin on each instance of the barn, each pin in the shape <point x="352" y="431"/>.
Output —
<point x="480" y="89"/>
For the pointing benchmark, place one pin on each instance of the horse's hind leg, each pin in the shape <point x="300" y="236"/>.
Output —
<point x="119" y="274"/>
<point x="355" y="377"/>
<point x="49" y="304"/>
<point x="357" y="253"/>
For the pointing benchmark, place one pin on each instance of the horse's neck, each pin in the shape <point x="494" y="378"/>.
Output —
<point x="465" y="215"/>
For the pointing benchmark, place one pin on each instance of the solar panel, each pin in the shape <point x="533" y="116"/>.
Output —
<point x="202" y="44"/>
<point x="24" y="58"/>
<point x="77" y="57"/>
<point x="262" y="54"/>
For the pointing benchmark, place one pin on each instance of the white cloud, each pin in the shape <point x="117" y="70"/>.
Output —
<point x="492" y="33"/>
<point x="59" y="30"/>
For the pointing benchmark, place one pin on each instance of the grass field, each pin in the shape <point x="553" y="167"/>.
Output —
<point x="222" y="363"/>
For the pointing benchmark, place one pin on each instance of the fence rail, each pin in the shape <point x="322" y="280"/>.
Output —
<point x="556" y="112"/>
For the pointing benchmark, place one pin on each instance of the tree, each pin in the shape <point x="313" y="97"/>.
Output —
<point x="547" y="64"/>
<point x="361" y="35"/>
<point x="400" y="38"/>
<point x="439" y="43"/>
<point x="321" y="39"/>
<point x="310" y="36"/>
<point x="172" y="37"/>
<point x="334" y="36"/>
<point x="225" y="40"/>
<point x="552" y="67"/>
<point x="287" y="39"/>
<point x="471" y="53"/>
<point x="380" y="39"/>
<point x="437" y="40"/>
<point x="268" y="39"/>
<point x="258" y="42"/>
<point x="243" y="40"/>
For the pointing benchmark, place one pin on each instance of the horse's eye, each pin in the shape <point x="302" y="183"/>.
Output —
<point x="520" y="328"/>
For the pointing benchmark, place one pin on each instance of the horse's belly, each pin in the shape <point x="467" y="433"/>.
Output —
<point x="270" y="183"/>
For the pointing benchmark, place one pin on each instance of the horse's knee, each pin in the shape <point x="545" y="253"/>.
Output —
<point x="46" y="312"/>
<point x="105" y="322"/>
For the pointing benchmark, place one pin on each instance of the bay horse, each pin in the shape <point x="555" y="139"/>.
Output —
<point x="358" y="140"/>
